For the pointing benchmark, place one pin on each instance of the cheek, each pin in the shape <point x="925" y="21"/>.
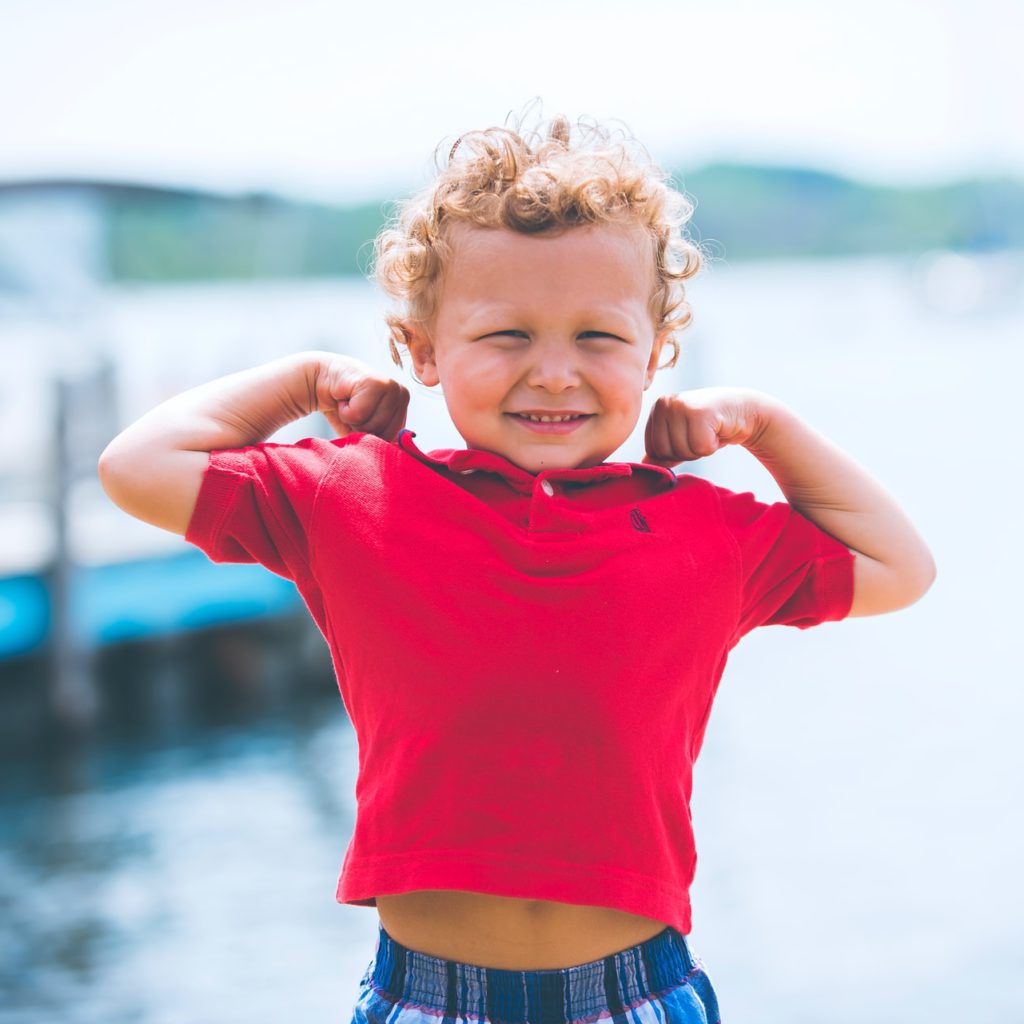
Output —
<point x="479" y="378"/>
<point x="472" y="392"/>
<point x="624" y="387"/>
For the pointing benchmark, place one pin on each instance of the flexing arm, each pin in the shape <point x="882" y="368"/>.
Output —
<point x="892" y="565"/>
<point x="154" y="468"/>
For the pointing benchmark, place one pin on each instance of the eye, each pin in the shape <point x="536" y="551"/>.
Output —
<point x="505" y="334"/>
<point x="601" y="334"/>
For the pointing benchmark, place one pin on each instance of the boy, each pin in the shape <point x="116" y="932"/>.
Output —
<point x="527" y="638"/>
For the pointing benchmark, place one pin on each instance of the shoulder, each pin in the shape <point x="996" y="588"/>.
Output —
<point x="699" y="495"/>
<point x="720" y="511"/>
<point x="309" y="457"/>
<point x="359" y="467"/>
<point x="735" y="508"/>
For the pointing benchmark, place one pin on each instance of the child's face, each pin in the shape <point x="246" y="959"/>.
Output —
<point x="532" y="326"/>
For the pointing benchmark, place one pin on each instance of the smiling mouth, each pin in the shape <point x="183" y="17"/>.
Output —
<point x="538" y="418"/>
<point x="551" y="423"/>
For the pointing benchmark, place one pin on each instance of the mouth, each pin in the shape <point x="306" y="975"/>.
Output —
<point x="546" y="417"/>
<point x="551" y="423"/>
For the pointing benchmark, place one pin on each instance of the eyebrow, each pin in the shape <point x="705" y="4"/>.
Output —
<point x="502" y="312"/>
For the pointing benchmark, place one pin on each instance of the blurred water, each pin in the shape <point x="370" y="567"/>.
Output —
<point x="856" y="799"/>
<point x="185" y="882"/>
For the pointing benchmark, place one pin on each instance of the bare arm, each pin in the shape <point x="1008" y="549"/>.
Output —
<point x="892" y="564"/>
<point x="153" y="469"/>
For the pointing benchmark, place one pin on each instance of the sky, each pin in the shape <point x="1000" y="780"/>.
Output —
<point x="346" y="102"/>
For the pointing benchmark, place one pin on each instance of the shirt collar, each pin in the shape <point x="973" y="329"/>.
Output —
<point x="470" y="460"/>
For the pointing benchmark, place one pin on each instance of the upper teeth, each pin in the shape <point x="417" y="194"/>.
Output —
<point x="550" y="419"/>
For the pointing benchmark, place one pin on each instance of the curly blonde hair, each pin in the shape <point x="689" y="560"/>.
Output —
<point x="556" y="176"/>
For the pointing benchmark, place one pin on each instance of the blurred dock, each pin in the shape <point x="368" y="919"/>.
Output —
<point x="76" y="584"/>
<point x="89" y="597"/>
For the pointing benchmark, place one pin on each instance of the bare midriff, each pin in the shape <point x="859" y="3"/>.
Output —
<point x="514" y="934"/>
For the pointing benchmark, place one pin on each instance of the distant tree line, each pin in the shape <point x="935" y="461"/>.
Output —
<point x="165" y="235"/>
<point x="743" y="212"/>
<point x="770" y="212"/>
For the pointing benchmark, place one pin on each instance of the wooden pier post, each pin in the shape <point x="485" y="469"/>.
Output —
<point x="85" y="412"/>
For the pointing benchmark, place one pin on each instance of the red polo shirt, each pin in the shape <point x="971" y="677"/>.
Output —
<point x="529" y="661"/>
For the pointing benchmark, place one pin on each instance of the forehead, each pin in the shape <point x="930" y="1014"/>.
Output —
<point x="612" y="261"/>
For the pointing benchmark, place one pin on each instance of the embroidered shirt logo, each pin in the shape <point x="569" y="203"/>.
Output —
<point x="636" y="517"/>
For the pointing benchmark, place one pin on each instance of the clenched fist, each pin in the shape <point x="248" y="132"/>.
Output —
<point x="694" y="424"/>
<point x="354" y="397"/>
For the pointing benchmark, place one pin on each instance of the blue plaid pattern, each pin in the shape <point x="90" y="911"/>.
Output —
<point x="656" y="982"/>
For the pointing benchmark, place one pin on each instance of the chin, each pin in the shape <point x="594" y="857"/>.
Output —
<point x="554" y="462"/>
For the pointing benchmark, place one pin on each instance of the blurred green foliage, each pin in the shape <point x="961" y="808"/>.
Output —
<point x="770" y="212"/>
<point x="743" y="212"/>
<point x="162" y="235"/>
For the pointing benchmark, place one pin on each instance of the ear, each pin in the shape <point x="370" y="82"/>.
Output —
<point x="652" y="363"/>
<point x="421" y="351"/>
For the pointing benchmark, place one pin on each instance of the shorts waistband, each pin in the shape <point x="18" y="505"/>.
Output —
<point x="615" y="983"/>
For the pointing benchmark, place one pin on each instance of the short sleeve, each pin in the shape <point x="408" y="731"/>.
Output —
<point x="792" y="572"/>
<point x="256" y="504"/>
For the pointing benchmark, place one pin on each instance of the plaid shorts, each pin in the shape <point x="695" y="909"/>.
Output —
<point x="656" y="982"/>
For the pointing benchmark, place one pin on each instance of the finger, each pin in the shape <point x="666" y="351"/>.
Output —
<point x="370" y="404"/>
<point x="336" y="388"/>
<point x="677" y="429"/>
<point x="380" y="420"/>
<point x="357" y="408"/>
<point x="650" y="431"/>
<point x="702" y="435"/>
<point x="659" y="433"/>
<point x="389" y="415"/>
<point x="396" y="423"/>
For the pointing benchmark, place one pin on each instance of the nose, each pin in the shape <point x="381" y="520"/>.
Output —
<point x="554" y="365"/>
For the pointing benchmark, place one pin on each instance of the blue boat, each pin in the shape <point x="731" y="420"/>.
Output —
<point x="140" y="600"/>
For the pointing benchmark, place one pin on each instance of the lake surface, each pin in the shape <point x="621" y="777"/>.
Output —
<point x="856" y="802"/>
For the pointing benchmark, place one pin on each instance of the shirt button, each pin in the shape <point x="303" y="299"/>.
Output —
<point x="548" y="488"/>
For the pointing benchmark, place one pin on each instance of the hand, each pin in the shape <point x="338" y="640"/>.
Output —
<point x="695" y="424"/>
<point x="354" y="397"/>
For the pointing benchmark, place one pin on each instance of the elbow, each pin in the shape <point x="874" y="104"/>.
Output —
<point x="915" y="580"/>
<point x="106" y="470"/>
<point x="918" y="580"/>
<point x="930" y="575"/>
<point x="880" y="588"/>
<point x="931" y="572"/>
<point x="114" y="473"/>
